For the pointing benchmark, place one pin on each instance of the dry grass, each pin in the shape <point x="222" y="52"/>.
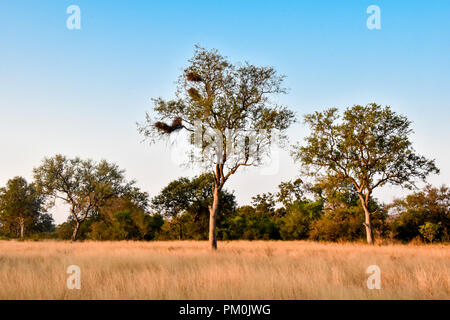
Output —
<point x="239" y="270"/>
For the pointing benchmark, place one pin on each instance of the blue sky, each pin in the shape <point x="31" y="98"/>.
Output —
<point x="80" y="92"/>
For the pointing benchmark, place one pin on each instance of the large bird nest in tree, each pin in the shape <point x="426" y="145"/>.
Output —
<point x="194" y="77"/>
<point x="169" y="128"/>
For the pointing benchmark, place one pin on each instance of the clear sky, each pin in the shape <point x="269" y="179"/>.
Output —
<point x="80" y="92"/>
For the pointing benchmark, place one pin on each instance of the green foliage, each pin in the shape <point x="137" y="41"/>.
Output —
<point x="119" y="219"/>
<point x="431" y="205"/>
<point x="21" y="209"/>
<point x="290" y="191"/>
<point x="296" y="223"/>
<point x="44" y="224"/>
<point x="430" y="231"/>
<point x="185" y="205"/>
<point x="264" y="203"/>
<point x="127" y="225"/>
<point x="228" y="101"/>
<point x="64" y="231"/>
<point x="339" y="225"/>
<point x="228" y="114"/>
<point x="369" y="148"/>
<point x="125" y="218"/>
<point x="249" y="224"/>
<point x="83" y="184"/>
<point x="343" y="217"/>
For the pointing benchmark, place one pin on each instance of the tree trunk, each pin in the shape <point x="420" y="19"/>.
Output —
<point x="368" y="222"/>
<point x="22" y="228"/>
<point x="213" y="210"/>
<point x="75" y="231"/>
<point x="180" y="231"/>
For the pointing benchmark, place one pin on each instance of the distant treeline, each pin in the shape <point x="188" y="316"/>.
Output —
<point x="298" y="210"/>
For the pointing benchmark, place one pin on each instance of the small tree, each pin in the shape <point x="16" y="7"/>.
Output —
<point x="264" y="203"/>
<point x="186" y="201"/>
<point x="228" y="113"/>
<point x="430" y="231"/>
<point x="83" y="184"/>
<point x="290" y="191"/>
<point x="20" y="204"/>
<point x="369" y="148"/>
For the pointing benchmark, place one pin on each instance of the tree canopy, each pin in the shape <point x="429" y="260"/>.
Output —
<point x="83" y="184"/>
<point x="20" y="205"/>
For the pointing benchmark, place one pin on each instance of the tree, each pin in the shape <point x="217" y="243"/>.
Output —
<point x="128" y="224"/>
<point x="338" y="225"/>
<point x="290" y="191"/>
<point x="430" y="205"/>
<point x="295" y="224"/>
<point x="249" y="224"/>
<point x="20" y="205"/>
<point x="264" y="203"/>
<point x="185" y="202"/>
<point x="44" y="224"/>
<point x="83" y="184"/>
<point x="125" y="218"/>
<point x="227" y="113"/>
<point x="342" y="215"/>
<point x="369" y="148"/>
<point x="429" y="230"/>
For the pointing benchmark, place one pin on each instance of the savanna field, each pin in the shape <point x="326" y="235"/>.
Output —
<point x="238" y="270"/>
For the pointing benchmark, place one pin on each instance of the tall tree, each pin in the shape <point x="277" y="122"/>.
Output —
<point x="20" y="204"/>
<point x="83" y="184"/>
<point x="369" y="148"/>
<point x="227" y="110"/>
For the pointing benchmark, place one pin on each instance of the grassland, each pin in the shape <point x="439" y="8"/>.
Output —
<point x="238" y="270"/>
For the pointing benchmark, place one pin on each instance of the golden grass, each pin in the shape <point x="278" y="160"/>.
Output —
<point x="239" y="270"/>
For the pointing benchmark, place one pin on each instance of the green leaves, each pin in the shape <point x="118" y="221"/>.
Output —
<point x="430" y="231"/>
<point x="20" y="204"/>
<point x="369" y="147"/>
<point x="430" y="205"/>
<point x="83" y="184"/>
<point x="229" y="101"/>
<point x="189" y="195"/>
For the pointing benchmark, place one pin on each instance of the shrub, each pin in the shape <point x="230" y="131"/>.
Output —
<point x="430" y="231"/>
